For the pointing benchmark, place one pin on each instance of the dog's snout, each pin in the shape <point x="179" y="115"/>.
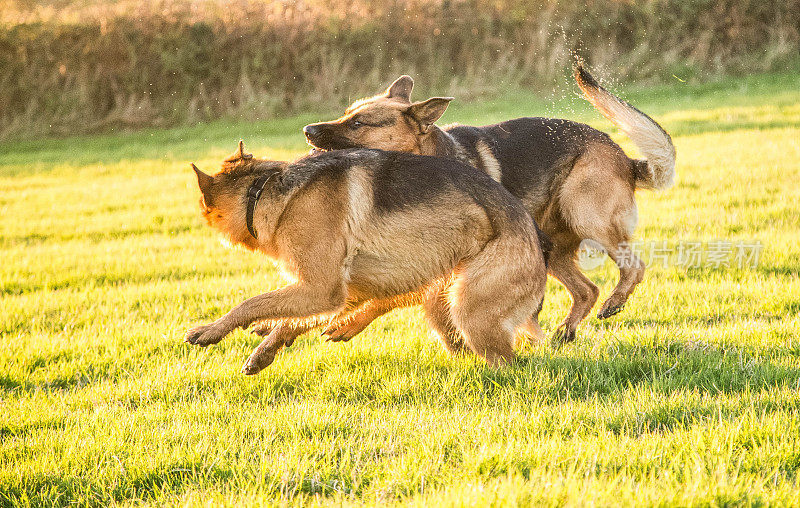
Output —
<point x="312" y="130"/>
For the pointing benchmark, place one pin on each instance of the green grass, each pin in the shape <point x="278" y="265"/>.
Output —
<point x="691" y="396"/>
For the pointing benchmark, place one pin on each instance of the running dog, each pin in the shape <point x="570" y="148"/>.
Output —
<point x="361" y="228"/>
<point x="574" y="180"/>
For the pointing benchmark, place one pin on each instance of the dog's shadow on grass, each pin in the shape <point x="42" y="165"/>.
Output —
<point x="545" y="373"/>
<point x="399" y="376"/>
<point x="667" y="367"/>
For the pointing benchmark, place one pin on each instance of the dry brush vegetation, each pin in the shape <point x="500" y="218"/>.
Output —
<point x="67" y="66"/>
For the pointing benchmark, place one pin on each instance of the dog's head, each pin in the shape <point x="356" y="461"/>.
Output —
<point x="223" y="197"/>
<point x="388" y="121"/>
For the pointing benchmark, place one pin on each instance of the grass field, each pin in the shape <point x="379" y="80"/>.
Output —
<point x="691" y="396"/>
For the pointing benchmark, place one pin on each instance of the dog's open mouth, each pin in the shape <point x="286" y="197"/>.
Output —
<point x="330" y="143"/>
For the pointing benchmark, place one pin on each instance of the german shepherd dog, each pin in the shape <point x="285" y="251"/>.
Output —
<point x="574" y="180"/>
<point x="363" y="227"/>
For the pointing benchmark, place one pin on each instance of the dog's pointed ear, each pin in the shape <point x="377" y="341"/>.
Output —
<point x="239" y="154"/>
<point x="426" y="113"/>
<point x="205" y="182"/>
<point x="401" y="88"/>
<point x="240" y="151"/>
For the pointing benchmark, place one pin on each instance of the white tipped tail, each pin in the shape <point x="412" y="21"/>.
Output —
<point x="658" y="170"/>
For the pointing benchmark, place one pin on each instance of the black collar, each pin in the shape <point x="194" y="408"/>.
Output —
<point x="253" y="193"/>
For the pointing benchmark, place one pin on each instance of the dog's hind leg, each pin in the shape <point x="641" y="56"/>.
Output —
<point x="350" y="324"/>
<point x="532" y="330"/>
<point x="494" y="293"/>
<point x="340" y="320"/>
<point x="439" y="317"/>
<point x="584" y="293"/>
<point x="435" y="305"/>
<point x="344" y="328"/>
<point x="597" y="200"/>
<point x="631" y="273"/>
<point x="615" y="238"/>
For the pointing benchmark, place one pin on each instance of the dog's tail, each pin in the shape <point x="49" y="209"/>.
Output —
<point x="657" y="170"/>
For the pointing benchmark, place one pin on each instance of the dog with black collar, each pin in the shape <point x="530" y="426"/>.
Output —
<point x="361" y="227"/>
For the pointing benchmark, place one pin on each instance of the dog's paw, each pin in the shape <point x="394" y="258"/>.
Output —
<point x="609" y="310"/>
<point x="257" y="362"/>
<point x="563" y="335"/>
<point x="342" y="332"/>
<point x="204" y="335"/>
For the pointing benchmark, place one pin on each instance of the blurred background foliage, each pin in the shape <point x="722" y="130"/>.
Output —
<point x="77" y="66"/>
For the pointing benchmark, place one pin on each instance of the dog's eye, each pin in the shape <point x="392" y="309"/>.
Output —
<point x="355" y="124"/>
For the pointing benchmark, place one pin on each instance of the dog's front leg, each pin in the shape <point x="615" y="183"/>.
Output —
<point x="281" y="335"/>
<point x="295" y="301"/>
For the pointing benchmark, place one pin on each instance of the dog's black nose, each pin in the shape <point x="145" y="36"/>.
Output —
<point x="312" y="130"/>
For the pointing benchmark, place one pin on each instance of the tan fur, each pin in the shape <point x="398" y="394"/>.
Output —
<point x="654" y="143"/>
<point x="347" y="325"/>
<point x="392" y="111"/>
<point x="608" y="218"/>
<point x="489" y="161"/>
<point x="353" y="263"/>
<point x="592" y="196"/>
<point x="410" y="122"/>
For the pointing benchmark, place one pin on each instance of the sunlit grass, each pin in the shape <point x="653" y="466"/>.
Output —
<point x="690" y="396"/>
